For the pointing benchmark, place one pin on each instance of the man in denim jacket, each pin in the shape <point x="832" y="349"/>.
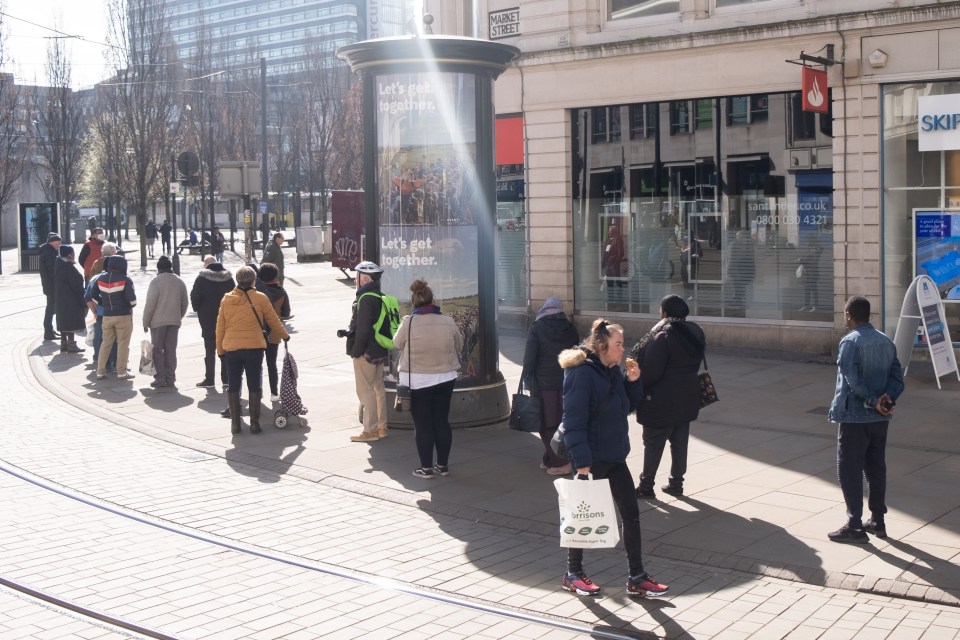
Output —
<point x="869" y="380"/>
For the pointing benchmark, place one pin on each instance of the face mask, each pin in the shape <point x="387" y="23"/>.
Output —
<point x="98" y="236"/>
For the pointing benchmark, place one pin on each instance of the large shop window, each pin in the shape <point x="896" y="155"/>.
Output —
<point x="511" y="236"/>
<point x="725" y="219"/>
<point x="918" y="180"/>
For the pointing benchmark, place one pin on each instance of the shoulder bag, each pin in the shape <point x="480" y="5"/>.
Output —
<point x="264" y="328"/>
<point x="402" y="401"/>
<point x="708" y="393"/>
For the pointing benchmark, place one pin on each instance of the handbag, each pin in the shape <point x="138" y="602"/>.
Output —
<point x="402" y="401"/>
<point x="147" y="367"/>
<point x="556" y="442"/>
<point x="524" y="411"/>
<point x="708" y="393"/>
<point x="264" y="328"/>
<point x="588" y="519"/>
<point x="91" y="333"/>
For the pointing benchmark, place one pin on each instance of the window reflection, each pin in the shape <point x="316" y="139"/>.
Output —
<point x="739" y="222"/>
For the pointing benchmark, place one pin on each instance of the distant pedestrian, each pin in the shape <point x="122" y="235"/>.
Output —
<point x="49" y="252"/>
<point x="550" y="334"/>
<point x="91" y="251"/>
<point x="115" y="292"/>
<point x="150" y="233"/>
<point x="212" y="283"/>
<point x="429" y="344"/>
<point x="265" y="232"/>
<point x="669" y="357"/>
<point x="367" y="354"/>
<point x="162" y="314"/>
<point x="165" y="245"/>
<point x="268" y="285"/>
<point x="596" y="403"/>
<point x="218" y="244"/>
<point x="109" y="249"/>
<point x="70" y="309"/>
<point x="192" y="237"/>
<point x="244" y="313"/>
<point x="273" y="254"/>
<point x="869" y="381"/>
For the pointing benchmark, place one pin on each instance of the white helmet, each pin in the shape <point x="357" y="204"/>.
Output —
<point x="371" y="268"/>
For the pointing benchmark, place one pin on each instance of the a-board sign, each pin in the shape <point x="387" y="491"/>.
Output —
<point x="922" y="304"/>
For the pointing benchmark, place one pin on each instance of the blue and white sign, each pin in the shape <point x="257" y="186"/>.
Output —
<point x="938" y="122"/>
<point x="937" y="250"/>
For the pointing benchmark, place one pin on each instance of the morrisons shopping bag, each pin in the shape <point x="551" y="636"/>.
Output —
<point x="588" y="519"/>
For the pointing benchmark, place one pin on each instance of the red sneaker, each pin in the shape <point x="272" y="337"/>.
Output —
<point x="646" y="586"/>
<point x="580" y="585"/>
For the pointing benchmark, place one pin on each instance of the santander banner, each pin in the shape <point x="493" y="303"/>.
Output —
<point x="813" y="85"/>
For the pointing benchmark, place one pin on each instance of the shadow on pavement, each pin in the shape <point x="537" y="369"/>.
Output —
<point x="612" y="620"/>
<point x="266" y="456"/>
<point x="938" y="572"/>
<point x="166" y="400"/>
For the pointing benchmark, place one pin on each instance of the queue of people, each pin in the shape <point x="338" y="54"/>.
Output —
<point x="584" y="383"/>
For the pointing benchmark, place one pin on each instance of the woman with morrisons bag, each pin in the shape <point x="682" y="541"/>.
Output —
<point x="596" y="403"/>
<point x="429" y="342"/>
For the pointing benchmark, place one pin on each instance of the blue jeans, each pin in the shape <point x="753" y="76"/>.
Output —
<point x="98" y="340"/>
<point x="861" y="450"/>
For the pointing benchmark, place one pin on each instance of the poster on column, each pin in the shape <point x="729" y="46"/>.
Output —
<point x="428" y="194"/>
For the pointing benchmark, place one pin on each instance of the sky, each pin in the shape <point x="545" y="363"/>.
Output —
<point x="26" y="44"/>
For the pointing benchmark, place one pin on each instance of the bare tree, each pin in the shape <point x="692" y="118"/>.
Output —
<point x="144" y="98"/>
<point x="59" y="130"/>
<point x="13" y="142"/>
<point x="346" y="157"/>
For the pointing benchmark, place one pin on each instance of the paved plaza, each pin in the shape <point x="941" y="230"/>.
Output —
<point x="745" y="551"/>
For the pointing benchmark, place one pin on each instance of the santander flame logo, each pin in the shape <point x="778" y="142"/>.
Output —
<point x="815" y="95"/>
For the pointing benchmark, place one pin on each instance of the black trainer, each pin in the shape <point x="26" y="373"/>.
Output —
<point x="878" y="529"/>
<point x="849" y="535"/>
<point x="206" y="384"/>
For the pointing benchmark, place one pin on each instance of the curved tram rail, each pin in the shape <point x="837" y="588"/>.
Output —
<point x="274" y="556"/>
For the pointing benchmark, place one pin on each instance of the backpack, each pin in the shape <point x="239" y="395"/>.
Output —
<point x="389" y="321"/>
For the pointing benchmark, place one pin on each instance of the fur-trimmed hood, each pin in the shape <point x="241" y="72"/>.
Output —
<point x="570" y="358"/>
<point x="215" y="275"/>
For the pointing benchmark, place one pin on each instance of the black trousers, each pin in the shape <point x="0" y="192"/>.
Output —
<point x="430" y="408"/>
<point x="654" y="440"/>
<point x="210" y="360"/>
<point x="249" y="361"/>
<point x="272" y="373"/>
<point x="621" y="486"/>
<point x="48" y="313"/>
<point x="861" y="451"/>
<point x="551" y="413"/>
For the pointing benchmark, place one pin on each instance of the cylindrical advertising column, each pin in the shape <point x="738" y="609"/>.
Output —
<point x="430" y="192"/>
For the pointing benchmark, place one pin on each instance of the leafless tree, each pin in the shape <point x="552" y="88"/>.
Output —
<point x="143" y="97"/>
<point x="334" y="150"/>
<point x="13" y="142"/>
<point x="59" y="129"/>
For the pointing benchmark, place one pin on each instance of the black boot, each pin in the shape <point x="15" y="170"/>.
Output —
<point x="673" y="487"/>
<point x="51" y="335"/>
<point x="233" y="400"/>
<point x="255" y="411"/>
<point x="63" y="343"/>
<point x="73" y="347"/>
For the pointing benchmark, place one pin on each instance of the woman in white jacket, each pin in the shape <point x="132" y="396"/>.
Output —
<point x="429" y="342"/>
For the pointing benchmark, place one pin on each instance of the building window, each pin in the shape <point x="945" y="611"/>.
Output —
<point x="803" y="124"/>
<point x="606" y="124"/>
<point x="747" y="109"/>
<point x="643" y="121"/>
<point x="704" y="114"/>
<point x="623" y="9"/>
<point x="680" y="118"/>
<point x="733" y="3"/>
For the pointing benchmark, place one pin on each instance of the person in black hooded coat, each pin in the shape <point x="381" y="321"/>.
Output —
<point x="71" y="310"/>
<point x="550" y="334"/>
<point x="212" y="283"/>
<point x="669" y="356"/>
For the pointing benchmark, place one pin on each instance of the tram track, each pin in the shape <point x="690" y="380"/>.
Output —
<point x="253" y="551"/>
